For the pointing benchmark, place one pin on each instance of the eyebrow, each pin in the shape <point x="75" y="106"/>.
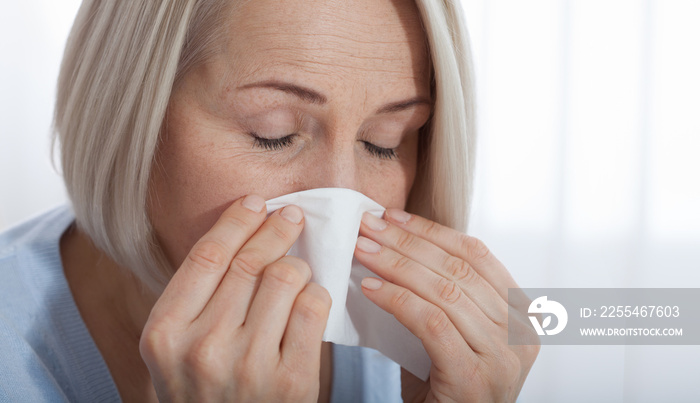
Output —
<point x="306" y="94"/>
<point x="315" y="97"/>
<point x="403" y="105"/>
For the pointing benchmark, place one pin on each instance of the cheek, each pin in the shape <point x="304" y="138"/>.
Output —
<point x="193" y="182"/>
<point x="390" y="183"/>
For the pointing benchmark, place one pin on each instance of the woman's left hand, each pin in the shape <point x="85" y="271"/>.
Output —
<point x="451" y="292"/>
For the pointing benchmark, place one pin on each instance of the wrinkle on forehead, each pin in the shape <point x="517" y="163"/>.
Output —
<point x="330" y="66"/>
<point x="322" y="35"/>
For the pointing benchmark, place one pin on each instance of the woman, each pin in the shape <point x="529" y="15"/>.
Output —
<point x="176" y="120"/>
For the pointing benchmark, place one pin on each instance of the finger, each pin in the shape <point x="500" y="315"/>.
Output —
<point x="455" y="270"/>
<point x="519" y="300"/>
<point x="457" y="244"/>
<point x="194" y="283"/>
<point x="443" y="343"/>
<point x="307" y="322"/>
<point x="229" y="305"/>
<point x="269" y="313"/>
<point x="469" y="319"/>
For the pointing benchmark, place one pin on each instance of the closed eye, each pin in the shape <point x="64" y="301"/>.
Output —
<point x="286" y="141"/>
<point x="273" y="144"/>
<point x="380" y="152"/>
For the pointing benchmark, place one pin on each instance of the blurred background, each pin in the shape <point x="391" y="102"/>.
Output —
<point x="588" y="172"/>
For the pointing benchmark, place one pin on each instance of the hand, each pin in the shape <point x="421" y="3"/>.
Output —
<point x="451" y="292"/>
<point x="239" y="320"/>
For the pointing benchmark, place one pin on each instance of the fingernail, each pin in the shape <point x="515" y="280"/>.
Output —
<point x="254" y="203"/>
<point x="368" y="245"/>
<point x="292" y="214"/>
<point x="398" y="215"/>
<point x="371" y="283"/>
<point x="373" y="222"/>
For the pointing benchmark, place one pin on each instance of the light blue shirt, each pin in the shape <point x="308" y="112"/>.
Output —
<point x="48" y="355"/>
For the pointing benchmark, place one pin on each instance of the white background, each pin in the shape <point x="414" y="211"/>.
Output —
<point x="588" y="174"/>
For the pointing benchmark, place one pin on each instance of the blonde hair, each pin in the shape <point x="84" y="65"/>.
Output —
<point x="121" y="63"/>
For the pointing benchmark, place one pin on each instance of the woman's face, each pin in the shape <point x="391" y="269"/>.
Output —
<point x="306" y="94"/>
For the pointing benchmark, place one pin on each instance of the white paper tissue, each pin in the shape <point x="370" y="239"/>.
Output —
<point x="327" y="243"/>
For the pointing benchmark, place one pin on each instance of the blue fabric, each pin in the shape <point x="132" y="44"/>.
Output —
<point x="364" y="375"/>
<point x="48" y="355"/>
<point x="47" y="352"/>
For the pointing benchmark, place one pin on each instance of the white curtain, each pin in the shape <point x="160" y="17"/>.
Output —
<point x="32" y="36"/>
<point x="587" y="171"/>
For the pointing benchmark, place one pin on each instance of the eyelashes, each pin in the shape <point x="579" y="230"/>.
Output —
<point x="273" y="144"/>
<point x="286" y="141"/>
<point x="383" y="153"/>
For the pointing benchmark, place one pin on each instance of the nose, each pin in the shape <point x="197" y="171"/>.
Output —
<point x="334" y="165"/>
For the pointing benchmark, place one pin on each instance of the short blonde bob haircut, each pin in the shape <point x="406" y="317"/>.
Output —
<point x="121" y="63"/>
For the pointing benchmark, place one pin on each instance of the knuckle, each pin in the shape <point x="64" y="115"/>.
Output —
<point x="405" y="240"/>
<point x="462" y="272"/>
<point x="438" y="323"/>
<point x="400" y="262"/>
<point x="319" y="292"/>
<point x="281" y="232"/>
<point x="312" y="308"/>
<point x="249" y="262"/>
<point x="283" y="274"/>
<point x="234" y="220"/>
<point x="449" y="291"/>
<point x="400" y="299"/>
<point x="156" y="343"/>
<point x="300" y="264"/>
<point x="202" y="357"/>
<point x="502" y="312"/>
<point x="209" y="255"/>
<point x="432" y="229"/>
<point x="458" y="269"/>
<point x="474" y="247"/>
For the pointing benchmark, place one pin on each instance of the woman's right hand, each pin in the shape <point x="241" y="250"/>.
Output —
<point x="239" y="320"/>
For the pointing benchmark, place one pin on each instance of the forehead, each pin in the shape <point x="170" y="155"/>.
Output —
<point x="371" y="41"/>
